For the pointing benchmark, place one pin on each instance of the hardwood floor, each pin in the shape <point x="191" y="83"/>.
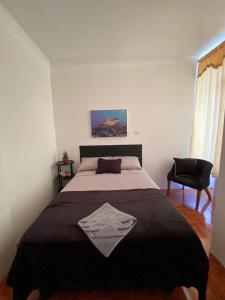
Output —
<point x="201" y="222"/>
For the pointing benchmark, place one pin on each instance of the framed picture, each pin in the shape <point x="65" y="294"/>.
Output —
<point x="109" y="123"/>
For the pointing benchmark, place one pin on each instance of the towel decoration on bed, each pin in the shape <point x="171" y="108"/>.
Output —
<point x="106" y="227"/>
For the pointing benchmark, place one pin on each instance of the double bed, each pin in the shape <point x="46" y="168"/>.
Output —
<point x="161" y="252"/>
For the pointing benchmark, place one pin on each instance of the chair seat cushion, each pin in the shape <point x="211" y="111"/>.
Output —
<point x="192" y="182"/>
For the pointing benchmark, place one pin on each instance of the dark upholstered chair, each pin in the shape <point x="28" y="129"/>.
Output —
<point x="200" y="181"/>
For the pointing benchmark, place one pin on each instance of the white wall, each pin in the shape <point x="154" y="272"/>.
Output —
<point x="159" y="98"/>
<point x="27" y="135"/>
<point x="218" y="236"/>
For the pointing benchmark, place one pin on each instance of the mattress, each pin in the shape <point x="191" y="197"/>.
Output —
<point x="126" y="180"/>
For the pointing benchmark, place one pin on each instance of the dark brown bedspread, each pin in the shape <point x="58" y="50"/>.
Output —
<point x="162" y="250"/>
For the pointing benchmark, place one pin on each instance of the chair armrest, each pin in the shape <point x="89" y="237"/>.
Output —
<point x="204" y="179"/>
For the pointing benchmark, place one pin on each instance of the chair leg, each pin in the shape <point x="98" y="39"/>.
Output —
<point x="198" y="199"/>
<point x="168" y="187"/>
<point x="208" y="194"/>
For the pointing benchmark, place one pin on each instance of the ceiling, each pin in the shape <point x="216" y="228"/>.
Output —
<point x="94" y="31"/>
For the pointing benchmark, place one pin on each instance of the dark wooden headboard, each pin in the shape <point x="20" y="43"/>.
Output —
<point x="112" y="150"/>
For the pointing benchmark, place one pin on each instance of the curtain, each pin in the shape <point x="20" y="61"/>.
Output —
<point x="209" y="108"/>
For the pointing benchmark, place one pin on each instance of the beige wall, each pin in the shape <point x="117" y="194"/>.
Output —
<point x="27" y="135"/>
<point x="158" y="96"/>
<point x="218" y="237"/>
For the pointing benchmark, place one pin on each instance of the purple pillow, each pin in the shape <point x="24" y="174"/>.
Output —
<point x="108" y="166"/>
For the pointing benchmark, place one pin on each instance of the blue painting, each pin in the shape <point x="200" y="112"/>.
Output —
<point x="109" y="123"/>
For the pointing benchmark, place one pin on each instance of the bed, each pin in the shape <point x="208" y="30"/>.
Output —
<point x="161" y="252"/>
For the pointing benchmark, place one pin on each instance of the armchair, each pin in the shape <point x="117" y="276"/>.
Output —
<point x="199" y="181"/>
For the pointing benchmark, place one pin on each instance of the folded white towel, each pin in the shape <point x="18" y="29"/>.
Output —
<point x="106" y="227"/>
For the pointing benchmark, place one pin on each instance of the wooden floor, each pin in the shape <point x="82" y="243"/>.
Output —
<point x="201" y="222"/>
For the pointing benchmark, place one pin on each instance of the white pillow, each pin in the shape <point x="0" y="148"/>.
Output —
<point x="128" y="162"/>
<point x="89" y="163"/>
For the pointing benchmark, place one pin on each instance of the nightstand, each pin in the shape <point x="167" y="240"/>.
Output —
<point x="65" y="172"/>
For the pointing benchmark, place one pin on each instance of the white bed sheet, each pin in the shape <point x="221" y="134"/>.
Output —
<point x="126" y="180"/>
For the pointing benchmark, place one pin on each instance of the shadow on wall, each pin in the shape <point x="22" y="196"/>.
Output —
<point x="7" y="253"/>
<point x="19" y="219"/>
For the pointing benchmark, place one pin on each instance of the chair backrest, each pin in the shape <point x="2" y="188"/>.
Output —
<point x="202" y="165"/>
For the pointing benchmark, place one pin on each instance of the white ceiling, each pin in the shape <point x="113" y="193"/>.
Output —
<point x="91" y="31"/>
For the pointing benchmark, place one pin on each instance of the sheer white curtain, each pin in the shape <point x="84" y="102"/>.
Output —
<point x="209" y="116"/>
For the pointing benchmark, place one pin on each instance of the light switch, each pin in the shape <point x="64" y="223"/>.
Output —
<point x="136" y="132"/>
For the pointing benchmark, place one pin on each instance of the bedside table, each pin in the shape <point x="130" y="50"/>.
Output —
<point x="64" y="173"/>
